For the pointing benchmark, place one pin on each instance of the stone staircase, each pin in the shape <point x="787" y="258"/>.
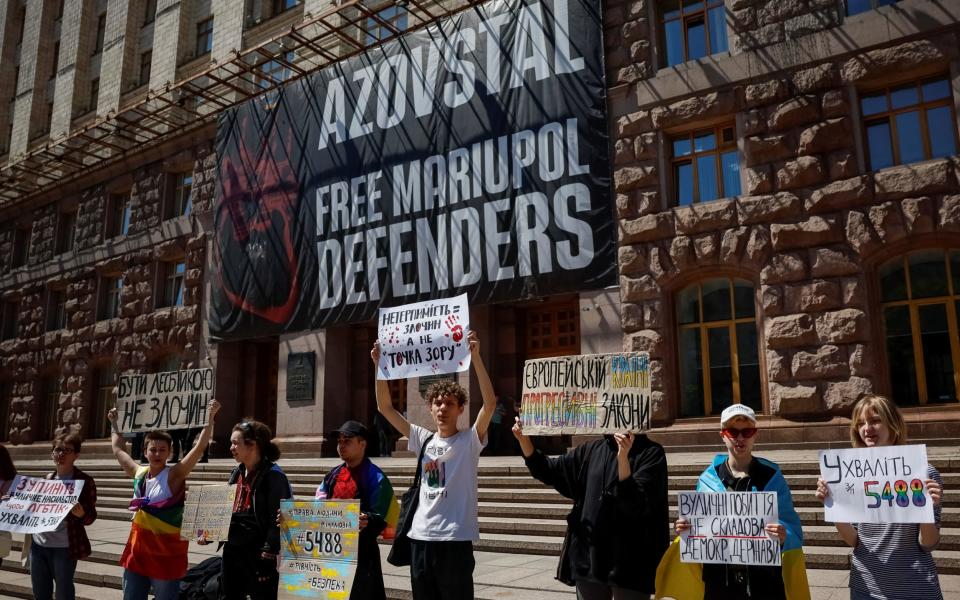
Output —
<point x="521" y="523"/>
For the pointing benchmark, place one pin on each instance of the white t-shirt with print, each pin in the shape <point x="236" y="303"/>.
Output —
<point x="448" y="488"/>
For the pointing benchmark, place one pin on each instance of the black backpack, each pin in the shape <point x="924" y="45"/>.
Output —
<point x="202" y="582"/>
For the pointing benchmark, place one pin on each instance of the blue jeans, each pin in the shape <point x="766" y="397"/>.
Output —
<point x="136" y="586"/>
<point x="49" y="566"/>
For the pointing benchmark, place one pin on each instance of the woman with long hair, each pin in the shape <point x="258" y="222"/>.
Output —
<point x="890" y="561"/>
<point x="253" y="543"/>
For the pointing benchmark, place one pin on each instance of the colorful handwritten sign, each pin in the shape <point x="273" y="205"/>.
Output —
<point x="207" y="512"/>
<point x="728" y="528"/>
<point x="884" y="484"/>
<point x="38" y="505"/>
<point x="169" y="400"/>
<point x="318" y="548"/>
<point x="590" y="393"/>
<point x="424" y="338"/>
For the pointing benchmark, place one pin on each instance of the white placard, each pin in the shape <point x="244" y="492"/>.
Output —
<point x="884" y="484"/>
<point x="586" y="394"/>
<point x="728" y="528"/>
<point x="38" y="505"/>
<point x="169" y="400"/>
<point x="424" y="338"/>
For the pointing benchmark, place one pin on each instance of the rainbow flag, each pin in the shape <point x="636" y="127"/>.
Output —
<point x="154" y="548"/>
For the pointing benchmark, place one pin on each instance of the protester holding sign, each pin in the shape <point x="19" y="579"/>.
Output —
<point x="890" y="560"/>
<point x="54" y="554"/>
<point x="250" y="554"/>
<point x="358" y="478"/>
<point x="617" y="531"/>
<point x="7" y="474"/>
<point x="445" y="523"/>
<point x="155" y="555"/>
<point x="740" y="471"/>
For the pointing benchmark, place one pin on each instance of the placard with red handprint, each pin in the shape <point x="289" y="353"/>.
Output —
<point x="424" y="338"/>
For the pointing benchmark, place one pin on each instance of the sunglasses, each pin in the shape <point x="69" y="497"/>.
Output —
<point x="63" y="450"/>
<point x="733" y="433"/>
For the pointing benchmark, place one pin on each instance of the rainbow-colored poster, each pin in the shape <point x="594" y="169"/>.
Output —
<point x="318" y="548"/>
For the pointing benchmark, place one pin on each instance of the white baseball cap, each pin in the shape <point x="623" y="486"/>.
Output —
<point x="737" y="410"/>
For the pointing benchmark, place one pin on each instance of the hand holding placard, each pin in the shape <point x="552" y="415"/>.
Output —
<point x="734" y="528"/>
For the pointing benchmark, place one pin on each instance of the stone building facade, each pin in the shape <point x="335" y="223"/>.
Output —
<point x="793" y="274"/>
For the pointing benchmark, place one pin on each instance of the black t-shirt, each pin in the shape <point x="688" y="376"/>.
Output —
<point x="736" y="582"/>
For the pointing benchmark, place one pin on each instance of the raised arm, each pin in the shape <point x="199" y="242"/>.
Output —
<point x="180" y="471"/>
<point x="127" y="463"/>
<point x="486" y="388"/>
<point x="384" y="401"/>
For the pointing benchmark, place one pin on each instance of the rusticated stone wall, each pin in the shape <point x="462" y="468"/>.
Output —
<point x="812" y="222"/>
<point x="142" y="334"/>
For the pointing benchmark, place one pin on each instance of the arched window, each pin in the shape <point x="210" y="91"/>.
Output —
<point x="719" y="364"/>
<point x="920" y="295"/>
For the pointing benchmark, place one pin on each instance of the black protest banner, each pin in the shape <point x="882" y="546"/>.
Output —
<point x="470" y="156"/>
<point x="169" y="400"/>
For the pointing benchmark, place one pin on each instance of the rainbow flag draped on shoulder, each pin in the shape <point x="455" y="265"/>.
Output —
<point x="683" y="581"/>
<point x="154" y="548"/>
<point x="373" y="489"/>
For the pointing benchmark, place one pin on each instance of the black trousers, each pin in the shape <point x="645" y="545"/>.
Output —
<point x="242" y="570"/>
<point x="441" y="570"/>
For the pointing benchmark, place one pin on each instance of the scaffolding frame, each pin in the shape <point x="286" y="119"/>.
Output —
<point x="338" y="33"/>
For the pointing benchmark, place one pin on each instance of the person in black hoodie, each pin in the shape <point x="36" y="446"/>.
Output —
<point x="253" y="542"/>
<point x="618" y="529"/>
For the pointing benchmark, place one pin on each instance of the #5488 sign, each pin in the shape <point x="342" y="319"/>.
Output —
<point x="876" y="485"/>
<point x="318" y="548"/>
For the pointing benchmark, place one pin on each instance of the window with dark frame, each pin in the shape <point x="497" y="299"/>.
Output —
<point x="281" y="6"/>
<point x="909" y="123"/>
<point x="150" y="12"/>
<point x="552" y="330"/>
<point x="119" y="217"/>
<point x="56" y="59"/>
<point x="110" y="291"/>
<point x="56" y="309"/>
<point x="172" y="285"/>
<point x="94" y="93"/>
<point x="706" y="165"/>
<point x="274" y="72"/>
<point x="21" y="245"/>
<point x="205" y="36"/>
<point x="920" y="302"/>
<point x="106" y="398"/>
<point x="101" y="32"/>
<point x="11" y="320"/>
<point x="146" y="60"/>
<point x="66" y="231"/>
<point x="180" y="202"/>
<point x="692" y="29"/>
<point x="50" y="399"/>
<point x="395" y="16"/>
<point x="858" y="6"/>
<point x="718" y="360"/>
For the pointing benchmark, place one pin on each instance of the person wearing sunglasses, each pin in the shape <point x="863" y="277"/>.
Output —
<point x="740" y="471"/>
<point x="890" y="561"/>
<point x="54" y="554"/>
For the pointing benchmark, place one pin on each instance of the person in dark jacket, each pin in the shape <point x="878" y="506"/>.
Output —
<point x="253" y="542"/>
<point x="357" y="477"/>
<point x="617" y="530"/>
<point x="54" y="554"/>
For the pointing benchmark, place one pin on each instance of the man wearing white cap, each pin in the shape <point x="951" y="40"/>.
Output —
<point x="739" y="471"/>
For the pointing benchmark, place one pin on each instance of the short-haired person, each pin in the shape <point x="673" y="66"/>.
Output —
<point x="445" y="524"/>
<point x="155" y="555"/>
<point x="253" y="542"/>
<point x="54" y="554"/>
<point x="358" y="478"/>
<point x="618" y="529"/>
<point x="890" y="561"/>
<point x="740" y="471"/>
